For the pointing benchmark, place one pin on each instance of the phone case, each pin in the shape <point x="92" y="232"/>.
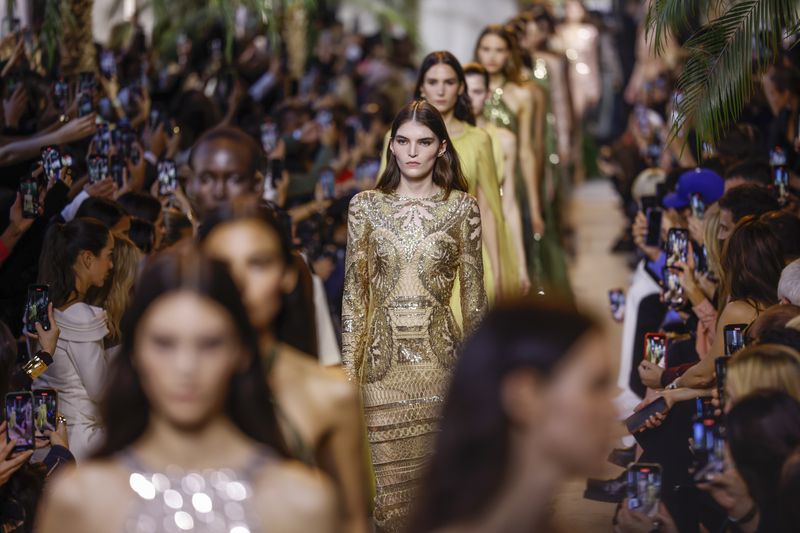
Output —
<point x="636" y="421"/>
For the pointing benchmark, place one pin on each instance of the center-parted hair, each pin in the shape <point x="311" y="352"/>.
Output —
<point x="447" y="172"/>
<point x="463" y="109"/>
<point x="125" y="408"/>
<point x="512" y="70"/>
<point x="473" y="448"/>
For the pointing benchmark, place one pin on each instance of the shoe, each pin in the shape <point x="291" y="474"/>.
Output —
<point x="609" y="491"/>
<point x="623" y="456"/>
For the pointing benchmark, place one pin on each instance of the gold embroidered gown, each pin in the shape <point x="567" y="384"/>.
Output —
<point x="399" y="335"/>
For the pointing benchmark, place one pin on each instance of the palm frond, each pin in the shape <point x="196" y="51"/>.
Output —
<point x="724" y="57"/>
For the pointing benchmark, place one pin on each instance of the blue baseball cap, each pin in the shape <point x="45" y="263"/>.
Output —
<point x="707" y="183"/>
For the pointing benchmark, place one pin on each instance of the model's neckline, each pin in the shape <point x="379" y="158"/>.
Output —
<point x="434" y="196"/>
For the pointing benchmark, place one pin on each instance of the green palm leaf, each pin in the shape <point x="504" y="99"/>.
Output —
<point x="724" y="56"/>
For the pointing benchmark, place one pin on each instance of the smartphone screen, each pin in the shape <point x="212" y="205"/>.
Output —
<point x="29" y="189"/>
<point x="721" y="373"/>
<point x="108" y="65"/>
<point x="655" y="348"/>
<point x="677" y="246"/>
<point x="276" y="170"/>
<point x="327" y="180"/>
<point x="672" y="288"/>
<point x="36" y="307"/>
<point x="644" y="488"/>
<point x="698" y="206"/>
<point x="45" y="409"/>
<point x="654" y="227"/>
<point x="19" y="415"/>
<point x="708" y="447"/>
<point x="167" y="177"/>
<point x="117" y="168"/>
<point x="616" y="299"/>
<point x="269" y="137"/>
<point x="98" y="168"/>
<point x="734" y="338"/>
<point x="781" y="182"/>
<point x="85" y="105"/>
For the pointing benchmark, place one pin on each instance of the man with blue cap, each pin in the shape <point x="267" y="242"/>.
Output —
<point x="707" y="183"/>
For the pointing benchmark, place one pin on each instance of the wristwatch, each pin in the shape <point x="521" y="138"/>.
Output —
<point x="673" y="385"/>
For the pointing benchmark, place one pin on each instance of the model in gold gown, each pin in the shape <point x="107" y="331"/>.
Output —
<point x="399" y="334"/>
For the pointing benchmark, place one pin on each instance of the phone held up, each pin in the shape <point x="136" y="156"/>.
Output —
<point x="616" y="299"/>
<point x="19" y="416"/>
<point x="45" y="410"/>
<point x="655" y="348"/>
<point x="644" y="488"/>
<point x="36" y="308"/>
<point x="167" y="173"/>
<point x="654" y="215"/>
<point x="734" y="338"/>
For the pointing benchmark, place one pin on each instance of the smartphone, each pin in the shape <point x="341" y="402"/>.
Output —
<point x="29" y="188"/>
<point x="276" y="170"/>
<point x="672" y="289"/>
<point x="167" y="177"/>
<point x="351" y="127"/>
<point x="654" y="217"/>
<point x="734" y="338"/>
<point x="721" y="372"/>
<point x="53" y="162"/>
<point x="709" y="151"/>
<point x="677" y="246"/>
<point x="19" y="416"/>
<point x="61" y="93"/>
<point x="708" y="447"/>
<point x="117" y="169"/>
<point x="324" y="118"/>
<point x="36" y="307"/>
<point x="97" y="167"/>
<point x="45" y="410"/>
<point x="777" y="158"/>
<point x="616" y="298"/>
<point x="655" y="348"/>
<point x="327" y="180"/>
<point x="85" y="104"/>
<point x="108" y="65"/>
<point x="781" y="183"/>
<point x="698" y="206"/>
<point x="269" y="137"/>
<point x="87" y="82"/>
<point x="636" y="421"/>
<point x="644" y="488"/>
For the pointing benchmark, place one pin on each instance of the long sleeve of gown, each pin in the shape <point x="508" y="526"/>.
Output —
<point x="473" y="294"/>
<point x="355" y="302"/>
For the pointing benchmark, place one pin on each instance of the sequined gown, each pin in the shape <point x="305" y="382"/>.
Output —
<point x="399" y="335"/>
<point x="545" y="257"/>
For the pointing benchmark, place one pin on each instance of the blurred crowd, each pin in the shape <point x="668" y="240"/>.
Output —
<point x="131" y="179"/>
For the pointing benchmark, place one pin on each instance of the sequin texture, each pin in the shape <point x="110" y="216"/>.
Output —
<point x="399" y="336"/>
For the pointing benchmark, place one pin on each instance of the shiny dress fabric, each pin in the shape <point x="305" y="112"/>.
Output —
<point x="398" y="331"/>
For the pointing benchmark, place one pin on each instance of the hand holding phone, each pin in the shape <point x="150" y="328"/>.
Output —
<point x="36" y="308"/>
<point x="677" y="246"/>
<point x="167" y="173"/>
<point x="644" y="488"/>
<point x="45" y="409"/>
<point x="734" y="338"/>
<point x="637" y="420"/>
<point x="29" y="189"/>
<point x="655" y="348"/>
<point x="654" y="218"/>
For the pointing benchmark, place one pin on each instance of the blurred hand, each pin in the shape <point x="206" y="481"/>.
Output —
<point x="59" y="436"/>
<point x="155" y="140"/>
<point x="697" y="230"/>
<point x="136" y="173"/>
<point x="47" y="339"/>
<point x="14" y="106"/>
<point x="634" y="522"/>
<point x="650" y="374"/>
<point x="16" y="222"/>
<point x="77" y="129"/>
<point x="639" y="231"/>
<point x="9" y="463"/>
<point x="728" y="489"/>
<point x="105" y="188"/>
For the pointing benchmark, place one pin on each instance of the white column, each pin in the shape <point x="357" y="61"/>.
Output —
<point x="454" y="26"/>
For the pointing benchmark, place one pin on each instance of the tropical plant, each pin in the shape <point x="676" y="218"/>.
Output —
<point x="723" y="56"/>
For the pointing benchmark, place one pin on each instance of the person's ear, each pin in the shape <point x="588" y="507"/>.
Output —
<point x="86" y="259"/>
<point x="258" y="186"/>
<point x="391" y="146"/>
<point x="442" y="149"/>
<point x="521" y="396"/>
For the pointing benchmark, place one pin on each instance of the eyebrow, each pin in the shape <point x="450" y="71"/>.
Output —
<point x="434" y="80"/>
<point x="404" y="138"/>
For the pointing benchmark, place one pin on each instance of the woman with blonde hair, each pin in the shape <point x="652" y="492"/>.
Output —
<point x="763" y="366"/>
<point x="114" y="296"/>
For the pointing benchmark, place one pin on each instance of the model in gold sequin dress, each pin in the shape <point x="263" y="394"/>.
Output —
<point x="399" y="334"/>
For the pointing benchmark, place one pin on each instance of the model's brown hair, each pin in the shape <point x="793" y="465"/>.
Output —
<point x="512" y="70"/>
<point x="447" y="172"/>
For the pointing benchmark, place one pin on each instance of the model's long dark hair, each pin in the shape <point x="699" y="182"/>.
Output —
<point x="472" y="450"/>
<point x="125" y="408"/>
<point x="296" y="323"/>
<point x="512" y="70"/>
<point x="463" y="109"/>
<point x="752" y="261"/>
<point x="763" y="429"/>
<point x="447" y="172"/>
<point x="62" y="245"/>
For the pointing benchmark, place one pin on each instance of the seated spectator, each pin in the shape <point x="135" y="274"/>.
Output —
<point x="789" y="284"/>
<point x="740" y="202"/>
<point x="109" y="212"/>
<point x="751" y="171"/>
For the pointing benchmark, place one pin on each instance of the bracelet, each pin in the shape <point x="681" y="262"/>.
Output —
<point x="673" y="385"/>
<point x="36" y="366"/>
<point x="749" y="515"/>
